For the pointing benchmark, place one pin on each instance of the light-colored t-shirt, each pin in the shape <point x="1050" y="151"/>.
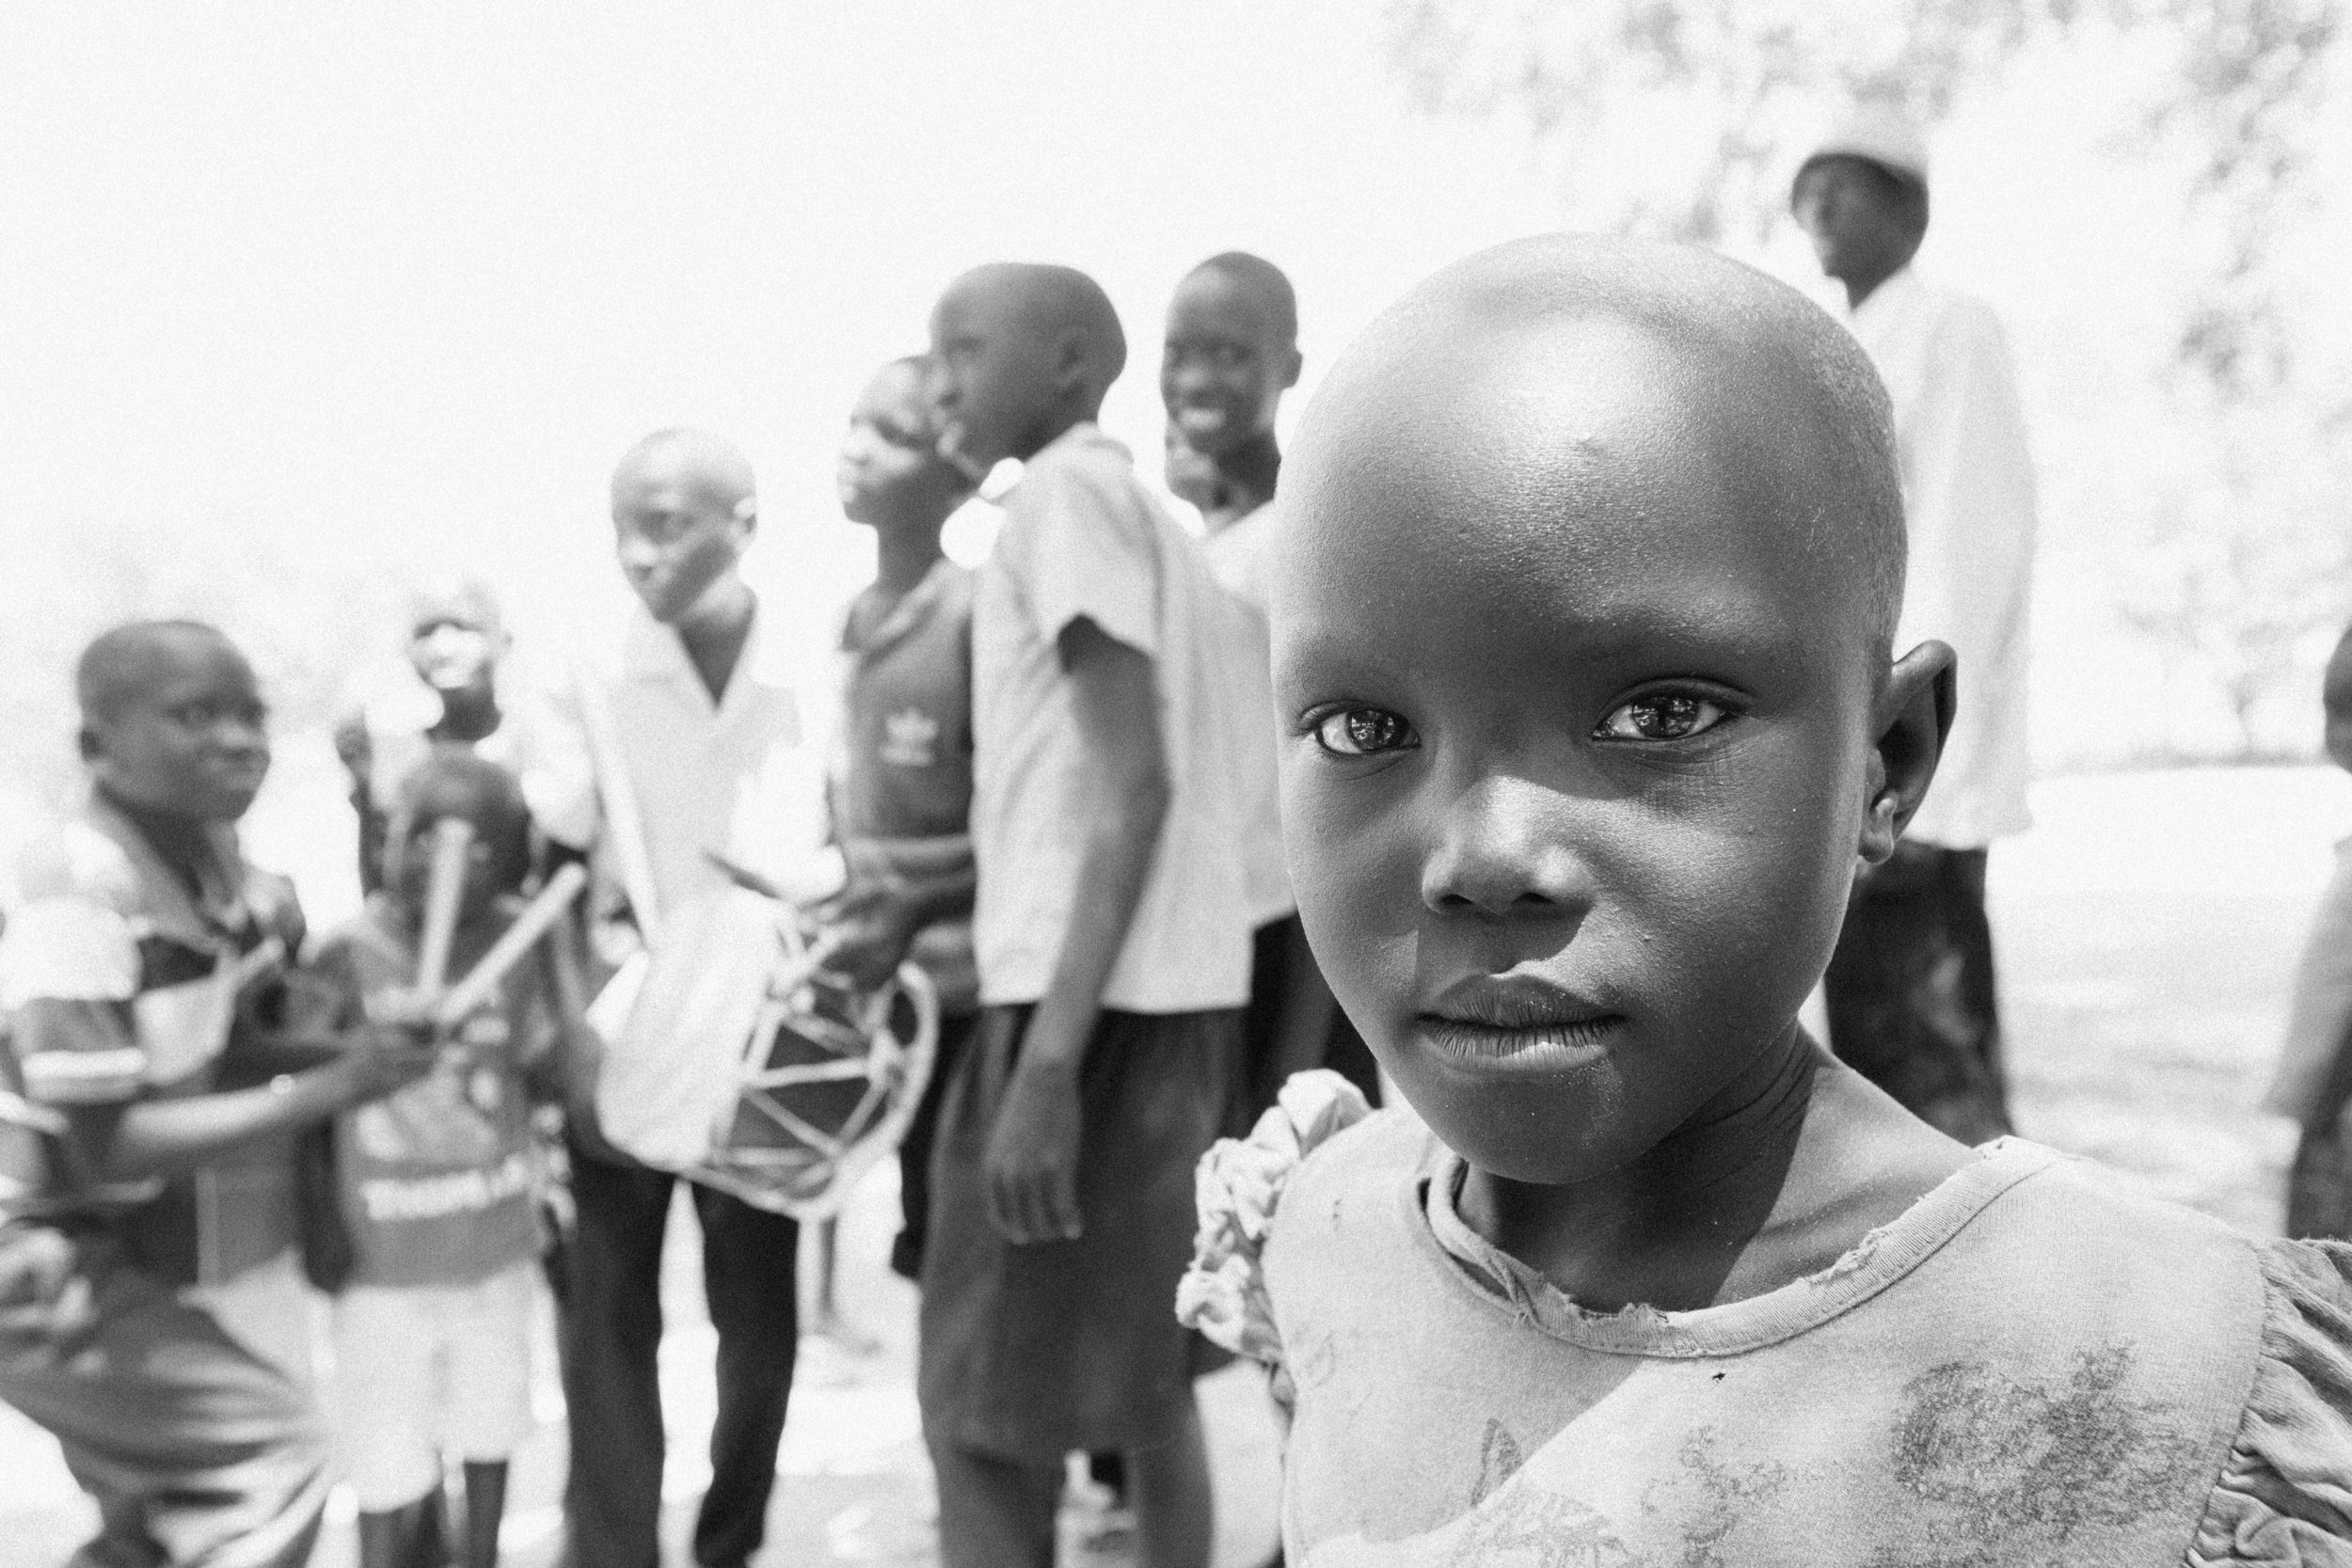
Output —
<point x="1237" y="554"/>
<point x="2028" y="1365"/>
<point x="1968" y="505"/>
<point x="1083" y="539"/>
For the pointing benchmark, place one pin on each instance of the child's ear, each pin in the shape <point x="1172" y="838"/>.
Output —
<point x="1291" y="365"/>
<point x="746" y="516"/>
<point x="91" y="744"/>
<point x="1914" y="717"/>
<point x="1074" y="363"/>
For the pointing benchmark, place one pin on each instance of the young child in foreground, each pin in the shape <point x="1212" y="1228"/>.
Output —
<point x="2314" y="1081"/>
<point x="1582" y="636"/>
<point x="436" y="1188"/>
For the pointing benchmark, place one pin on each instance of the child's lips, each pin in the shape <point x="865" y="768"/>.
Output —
<point x="1488" y="1018"/>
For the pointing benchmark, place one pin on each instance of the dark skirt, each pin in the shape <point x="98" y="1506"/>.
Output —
<point x="1028" y="1353"/>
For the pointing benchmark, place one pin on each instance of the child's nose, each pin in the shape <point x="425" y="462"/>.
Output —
<point x="1501" y="851"/>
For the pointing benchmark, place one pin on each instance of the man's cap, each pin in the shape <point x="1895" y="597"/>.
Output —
<point x="1880" y="132"/>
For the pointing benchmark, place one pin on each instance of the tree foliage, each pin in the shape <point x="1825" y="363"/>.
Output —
<point x="1685" y="119"/>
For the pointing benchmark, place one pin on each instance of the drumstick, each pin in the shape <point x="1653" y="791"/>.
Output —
<point x="481" y="981"/>
<point x="444" y="891"/>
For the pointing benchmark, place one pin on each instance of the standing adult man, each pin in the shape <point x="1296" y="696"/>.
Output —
<point x="1911" y="988"/>
<point x="681" y="742"/>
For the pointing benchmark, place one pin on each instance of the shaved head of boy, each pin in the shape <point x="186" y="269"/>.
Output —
<point x="1020" y="352"/>
<point x="1581" y="624"/>
<point x="173" y="720"/>
<point x="683" y="513"/>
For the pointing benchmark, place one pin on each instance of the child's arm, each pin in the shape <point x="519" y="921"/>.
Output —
<point x="897" y="886"/>
<point x="131" y="1141"/>
<point x="1032" y="1159"/>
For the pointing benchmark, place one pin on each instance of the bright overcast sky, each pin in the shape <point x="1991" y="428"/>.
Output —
<point x="412" y="276"/>
<point x="398" y="282"/>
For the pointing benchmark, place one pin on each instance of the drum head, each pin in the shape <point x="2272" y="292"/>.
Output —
<point x="832" y="1075"/>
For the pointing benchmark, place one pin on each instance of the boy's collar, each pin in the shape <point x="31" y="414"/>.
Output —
<point x="198" y="916"/>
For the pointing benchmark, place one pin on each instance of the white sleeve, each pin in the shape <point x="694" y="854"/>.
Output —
<point x="558" y="775"/>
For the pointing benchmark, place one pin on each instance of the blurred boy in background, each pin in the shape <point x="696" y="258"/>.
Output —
<point x="901" y="793"/>
<point x="1112" y="933"/>
<point x="1231" y="352"/>
<point x="449" y="696"/>
<point x="435" y="1187"/>
<point x="136" y="977"/>
<point x="2313" y="1079"/>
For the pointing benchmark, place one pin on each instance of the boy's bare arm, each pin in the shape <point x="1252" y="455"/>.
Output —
<point x="132" y="1142"/>
<point x="897" y="886"/>
<point x="1032" y="1157"/>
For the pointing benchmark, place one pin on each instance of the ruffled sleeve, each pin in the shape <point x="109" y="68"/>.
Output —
<point x="2284" y="1495"/>
<point x="1236" y="1188"/>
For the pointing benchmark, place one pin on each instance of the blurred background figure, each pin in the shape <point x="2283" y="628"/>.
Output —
<point x="449" y="694"/>
<point x="2314" y="1081"/>
<point x="1911" y="993"/>
<point x="1230" y="354"/>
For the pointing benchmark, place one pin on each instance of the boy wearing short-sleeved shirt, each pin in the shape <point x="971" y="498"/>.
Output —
<point x="132" y="981"/>
<point x="1112" y="931"/>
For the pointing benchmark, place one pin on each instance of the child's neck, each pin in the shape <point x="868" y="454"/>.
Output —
<point x="183" y="844"/>
<point x="715" y="630"/>
<point x="1247" y="476"/>
<point x="904" y="555"/>
<point x="1053" y="427"/>
<point x="1779" y="1175"/>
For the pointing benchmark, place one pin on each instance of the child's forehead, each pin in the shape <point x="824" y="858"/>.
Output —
<point x="1574" y="483"/>
<point x="194" y="671"/>
<point x="896" y="392"/>
<point x="1211" y="302"/>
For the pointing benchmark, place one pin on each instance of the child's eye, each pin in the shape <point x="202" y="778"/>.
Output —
<point x="1362" y="732"/>
<point x="1669" y="715"/>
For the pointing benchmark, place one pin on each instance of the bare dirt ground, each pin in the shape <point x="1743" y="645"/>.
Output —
<point x="2147" y="931"/>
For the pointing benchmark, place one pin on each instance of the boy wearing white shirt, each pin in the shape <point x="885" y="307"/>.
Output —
<point x="703" y="719"/>
<point x="1911" y="992"/>
<point x="1112" y="935"/>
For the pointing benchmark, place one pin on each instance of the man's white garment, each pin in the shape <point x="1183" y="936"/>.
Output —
<point x="1237" y="554"/>
<point x="731" y="776"/>
<point x="1083" y="539"/>
<point x="635" y="732"/>
<point x="1968" y="499"/>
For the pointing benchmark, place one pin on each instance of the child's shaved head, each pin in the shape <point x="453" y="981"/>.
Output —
<point x="1764" y="388"/>
<point x="1582" y="610"/>
<point x="1265" y="281"/>
<point x="1056" y="302"/>
<point x="1021" y="352"/>
<point x="129" y="663"/>
<point x="710" y="467"/>
<point x="458" y="783"/>
<point x="172" y="719"/>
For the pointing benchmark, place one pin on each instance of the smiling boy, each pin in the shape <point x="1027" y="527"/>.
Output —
<point x="1231" y="352"/>
<point x="1112" y="935"/>
<point x="133" y="979"/>
<point x="1582" y="639"/>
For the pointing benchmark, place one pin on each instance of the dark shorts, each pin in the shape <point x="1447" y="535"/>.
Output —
<point x="196" y="1451"/>
<point x="1028" y="1353"/>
